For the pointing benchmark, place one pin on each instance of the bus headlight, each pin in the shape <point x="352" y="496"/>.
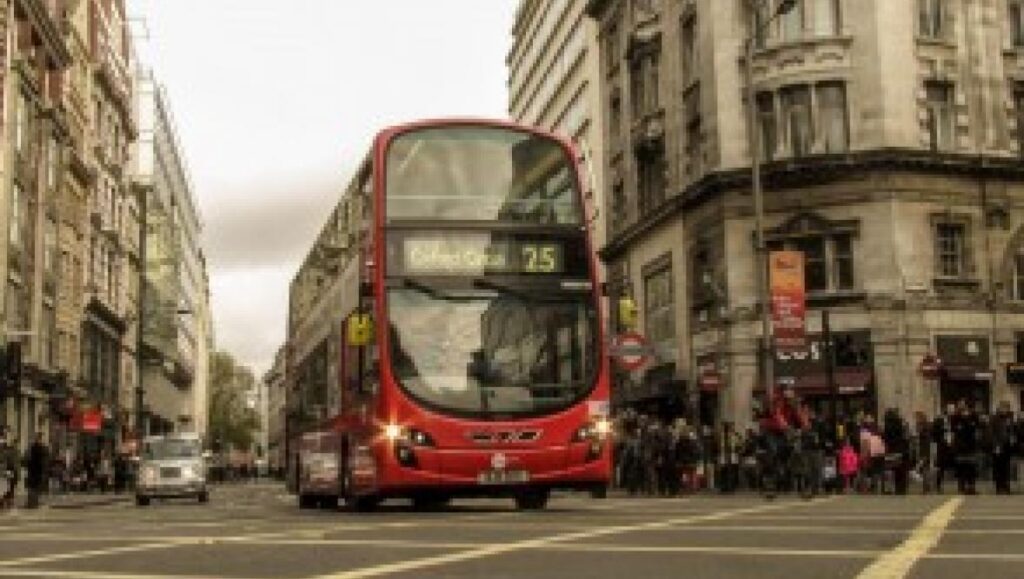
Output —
<point x="603" y="427"/>
<point x="392" y="432"/>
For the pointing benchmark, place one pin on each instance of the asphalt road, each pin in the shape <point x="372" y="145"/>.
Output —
<point x="256" y="531"/>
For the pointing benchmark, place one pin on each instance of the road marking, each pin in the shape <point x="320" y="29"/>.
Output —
<point x="897" y="563"/>
<point x="92" y="575"/>
<point x="89" y="553"/>
<point x="491" y="550"/>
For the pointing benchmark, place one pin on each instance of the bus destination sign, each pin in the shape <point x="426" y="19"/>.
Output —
<point x="481" y="254"/>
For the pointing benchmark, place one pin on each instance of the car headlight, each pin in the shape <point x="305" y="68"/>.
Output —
<point x="148" y="474"/>
<point x="191" y="471"/>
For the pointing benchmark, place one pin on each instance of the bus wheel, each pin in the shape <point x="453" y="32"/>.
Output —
<point x="532" y="500"/>
<point x="599" y="492"/>
<point x="307" y="501"/>
<point x="329" y="502"/>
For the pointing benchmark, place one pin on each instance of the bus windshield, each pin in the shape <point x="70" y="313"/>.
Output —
<point x="481" y="174"/>
<point x="484" y="351"/>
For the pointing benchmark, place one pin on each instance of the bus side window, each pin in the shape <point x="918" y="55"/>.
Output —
<point x="371" y="369"/>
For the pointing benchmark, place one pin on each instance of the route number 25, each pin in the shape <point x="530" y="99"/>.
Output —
<point x="540" y="259"/>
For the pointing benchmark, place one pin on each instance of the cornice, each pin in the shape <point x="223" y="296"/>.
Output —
<point x="809" y="171"/>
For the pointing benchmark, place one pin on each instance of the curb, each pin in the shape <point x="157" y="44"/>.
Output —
<point x="87" y="504"/>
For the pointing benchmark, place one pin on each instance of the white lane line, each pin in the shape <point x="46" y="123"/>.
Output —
<point x="491" y="550"/>
<point x="897" y="563"/>
<point x="88" y="553"/>
<point x="52" y="574"/>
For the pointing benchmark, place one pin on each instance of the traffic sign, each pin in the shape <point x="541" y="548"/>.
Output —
<point x="631" y="351"/>
<point x="931" y="367"/>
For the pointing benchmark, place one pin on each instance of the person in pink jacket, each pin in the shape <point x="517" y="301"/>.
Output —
<point x="848" y="465"/>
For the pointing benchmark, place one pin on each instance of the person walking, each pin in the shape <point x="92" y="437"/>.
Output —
<point x="1004" y="444"/>
<point x="966" y="426"/>
<point x="942" y="437"/>
<point x="923" y="451"/>
<point x="897" y="444"/>
<point x="9" y="466"/>
<point x="36" y="464"/>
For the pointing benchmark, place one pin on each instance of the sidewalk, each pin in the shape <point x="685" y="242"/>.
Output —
<point x="84" y="500"/>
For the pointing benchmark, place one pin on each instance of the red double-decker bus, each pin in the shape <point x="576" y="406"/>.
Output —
<point x="466" y="328"/>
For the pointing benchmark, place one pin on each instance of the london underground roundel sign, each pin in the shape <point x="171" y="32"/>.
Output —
<point x="630" y="350"/>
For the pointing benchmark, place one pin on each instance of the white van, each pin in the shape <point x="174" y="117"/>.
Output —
<point x="171" y="466"/>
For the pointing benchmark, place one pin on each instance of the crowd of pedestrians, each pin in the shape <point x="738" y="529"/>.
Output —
<point x="792" y="449"/>
<point x="46" y="472"/>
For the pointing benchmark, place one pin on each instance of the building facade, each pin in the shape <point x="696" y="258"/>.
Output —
<point x="175" y="305"/>
<point x="36" y="210"/>
<point x="891" y="133"/>
<point x="276" y="388"/>
<point x="553" y="83"/>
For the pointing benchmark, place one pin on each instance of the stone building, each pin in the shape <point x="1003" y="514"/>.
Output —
<point x="276" y="385"/>
<point x="111" y="242"/>
<point x="35" y="211"/>
<point x="175" y="305"/>
<point x="892" y="134"/>
<point x="553" y="81"/>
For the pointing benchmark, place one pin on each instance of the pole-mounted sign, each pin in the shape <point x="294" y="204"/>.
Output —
<point x="631" y="351"/>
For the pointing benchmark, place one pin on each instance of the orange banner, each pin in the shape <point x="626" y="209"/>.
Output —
<point x="786" y="275"/>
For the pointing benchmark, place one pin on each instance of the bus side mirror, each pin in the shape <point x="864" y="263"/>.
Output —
<point x="627" y="312"/>
<point x="360" y="330"/>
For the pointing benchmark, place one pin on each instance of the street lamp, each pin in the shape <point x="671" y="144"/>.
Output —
<point x="757" y="27"/>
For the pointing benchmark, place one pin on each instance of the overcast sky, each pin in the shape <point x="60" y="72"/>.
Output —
<point x="276" y="102"/>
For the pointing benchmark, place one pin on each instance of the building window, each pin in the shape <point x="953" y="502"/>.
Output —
<point x="796" y="116"/>
<point x="17" y="210"/>
<point x="940" y="115"/>
<point x="1017" y="283"/>
<point x="767" y="124"/>
<point x="931" y="17"/>
<point x="950" y="249"/>
<point x="644" y="81"/>
<point x="694" y="128"/>
<point x="1016" y="15"/>
<point x="650" y="167"/>
<point x="842" y="261"/>
<point x="50" y="247"/>
<point x="52" y="163"/>
<point x="21" y="122"/>
<point x="792" y="23"/>
<point x="828" y="260"/>
<point x="832" y="117"/>
<point x="688" y="43"/>
<point x="619" y="215"/>
<point x="827" y="17"/>
<point x="611" y="46"/>
<point x="815" y="264"/>
<point x="659" y="310"/>
<point x="1018" y="99"/>
<point x="47" y="330"/>
<point x="615" y="120"/>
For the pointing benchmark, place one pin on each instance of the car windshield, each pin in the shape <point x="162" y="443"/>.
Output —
<point x="171" y="449"/>
<point x="492" y="350"/>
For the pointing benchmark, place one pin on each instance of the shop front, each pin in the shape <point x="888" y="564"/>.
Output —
<point x="966" y="374"/>
<point x="851" y="386"/>
<point x="658" y="393"/>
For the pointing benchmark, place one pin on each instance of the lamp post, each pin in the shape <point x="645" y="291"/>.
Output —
<point x="758" y="27"/>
